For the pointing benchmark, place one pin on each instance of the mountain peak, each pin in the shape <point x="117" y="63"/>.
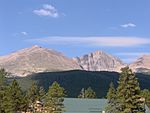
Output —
<point x="36" y="46"/>
<point x="142" y="62"/>
<point x="99" y="61"/>
<point x="36" y="59"/>
<point x="98" y="52"/>
<point x="146" y="56"/>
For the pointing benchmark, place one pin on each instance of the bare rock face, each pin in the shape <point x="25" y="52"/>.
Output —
<point x="142" y="64"/>
<point x="36" y="59"/>
<point x="99" y="61"/>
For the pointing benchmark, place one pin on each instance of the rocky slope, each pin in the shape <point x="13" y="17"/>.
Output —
<point x="99" y="61"/>
<point x="142" y="64"/>
<point x="36" y="59"/>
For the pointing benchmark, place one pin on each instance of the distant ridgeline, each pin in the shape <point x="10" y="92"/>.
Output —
<point x="74" y="81"/>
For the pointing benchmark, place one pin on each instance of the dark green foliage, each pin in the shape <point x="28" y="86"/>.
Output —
<point x="3" y="89"/>
<point x="13" y="99"/>
<point x="88" y="93"/>
<point x="111" y="97"/>
<point x="3" y="75"/>
<point x="74" y="81"/>
<point x="32" y="95"/>
<point x="146" y="94"/>
<point x="54" y="98"/>
<point x="41" y="94"/>
<point x="7" y="105"/>
<point x="111" y="92"/>
<point x="128" y="92"/>
<point x="25" y="103"/>
<point x="82" y="93"/>
<point x="16" y="96"/>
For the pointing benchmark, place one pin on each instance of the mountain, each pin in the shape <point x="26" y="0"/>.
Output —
<point x="99" y="61"/>
<point x="141" y="65"/>
<point x="73" y="81"/>
<point x="36" y="59"/>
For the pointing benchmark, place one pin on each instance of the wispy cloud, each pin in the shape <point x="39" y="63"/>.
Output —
<point x="129" y="57"/>
<point x="24" y="33"/>
<point x="128" y="25"/>
<point x="133" y="53"/>
<point x="129" y="60"/>
<point x="47" y="10"/>
<point x="93" y="41"/>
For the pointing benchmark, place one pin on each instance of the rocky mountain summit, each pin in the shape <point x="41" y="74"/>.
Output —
<point x="99" y="61"/>
<point x="142" y="64"/>
<point x="36" y="59"/>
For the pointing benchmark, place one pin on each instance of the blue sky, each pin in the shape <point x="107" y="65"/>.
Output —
<point x="77" y="27"/>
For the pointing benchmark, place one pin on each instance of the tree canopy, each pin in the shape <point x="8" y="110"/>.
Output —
<point x="87" y="93"/>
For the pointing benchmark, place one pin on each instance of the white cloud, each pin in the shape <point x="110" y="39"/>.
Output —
<point x="47" y="10"/>
<point x="93" y="41"/>
<point x="49" y="7"/>
<point x="129" y="60"/>
<point x="132" y="53"/>
<point x="128" y="25"/>
<point x="24" y="33"/>
<point x="129" y="57"/>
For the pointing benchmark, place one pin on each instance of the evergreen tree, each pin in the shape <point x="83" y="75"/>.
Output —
<point x="41" y="94"/>
<point x="32" y="95"/>
<point x="82" y="93"/>
<point x="54" y="98"/>
<point x="111" y="97"/>
<point x="7" y="104"/>
<point x="146" y="94"/>
<point x="25" y="103"/>
<point x="16" y="96"/>
<point x="128" y="92"/>
<point x="88" y="93"/>
<point x="3" y="75"/>
<point x="12" y="98"/>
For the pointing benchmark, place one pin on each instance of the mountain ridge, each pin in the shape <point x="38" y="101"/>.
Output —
<point x="38" y="59"/>
<point x="73" y="81"/>
<point x="142" y="64"/>
<point x="99" y="61"/>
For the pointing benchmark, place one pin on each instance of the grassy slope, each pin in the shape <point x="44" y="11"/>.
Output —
<point x="73" y="81"/>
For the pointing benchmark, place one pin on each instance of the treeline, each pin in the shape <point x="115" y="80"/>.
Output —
<point x="127" y="97"/>
<point x="73" y="81"/>
<point x="35" y="99"/>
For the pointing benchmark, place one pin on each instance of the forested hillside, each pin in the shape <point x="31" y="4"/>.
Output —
<point x="74" y="81"/>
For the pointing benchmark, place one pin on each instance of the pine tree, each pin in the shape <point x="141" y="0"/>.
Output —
<point x="3" y="75"/>
<point x="146" y="94"/>
<point x="25" y="103"/>
<point x="111" y="97"/>
<point x="16" y="96"/>
<point x="54" y="98"/>
<point x="82" y="93"/>
<point x="128" y="92"/>
<point x="41" y="94"/>
<point x="7" y="103"/>
<point x="12" y="98"/>
<point x="88" y="93"/>
<point x="32" y="95"/>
